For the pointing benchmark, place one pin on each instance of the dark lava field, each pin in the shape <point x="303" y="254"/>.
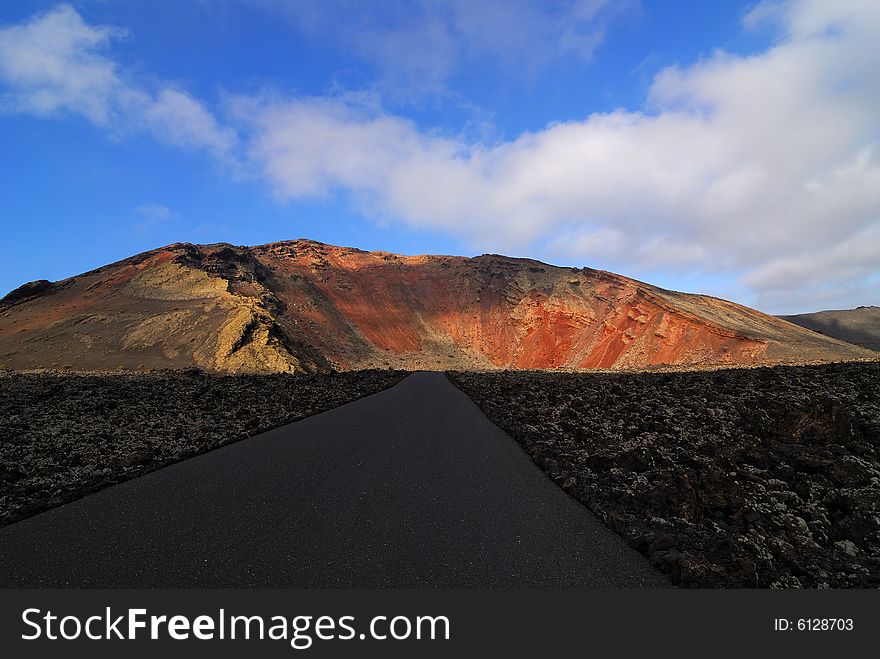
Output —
<point x="65" y="435"/>
<point x="756" y="477"/>
<point x="763" y="477"/>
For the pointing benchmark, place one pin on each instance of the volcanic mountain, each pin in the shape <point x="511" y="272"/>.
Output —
<point x="860" y="326"/>
<point x="304" y="306"/>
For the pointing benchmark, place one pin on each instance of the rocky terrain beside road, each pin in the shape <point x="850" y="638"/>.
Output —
<point x="764" y="477"/>
<point x="63" y="436"/>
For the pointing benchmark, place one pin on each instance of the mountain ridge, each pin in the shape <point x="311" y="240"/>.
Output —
<point x="859" y="326"/>
<point x="305" y="306"/>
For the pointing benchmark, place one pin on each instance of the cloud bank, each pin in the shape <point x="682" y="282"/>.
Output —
<point x="763" y="167"/>
<point x="56" y="64"/>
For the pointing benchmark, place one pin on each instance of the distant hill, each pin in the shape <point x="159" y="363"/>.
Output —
<point x="302" y="306"/>
<point x="859" y="326"/>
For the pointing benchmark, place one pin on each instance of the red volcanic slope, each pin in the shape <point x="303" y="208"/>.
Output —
<point x="305" y="306"/>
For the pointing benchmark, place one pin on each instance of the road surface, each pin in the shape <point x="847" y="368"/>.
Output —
<point x="412" y="487"/>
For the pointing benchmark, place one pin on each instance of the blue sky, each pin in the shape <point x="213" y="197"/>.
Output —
<point x="726" y="147"/>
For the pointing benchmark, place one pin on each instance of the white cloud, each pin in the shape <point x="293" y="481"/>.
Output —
<point x="151" y="215"/>
<point x="178" y="118"/>
<point x="739" y="164"/>
<point x="844" y="273"/>
<point x="417" y="46"/>
<point x="52" y="63"/>
<point x="155" y="212"/>
<point x="55" y="63"/>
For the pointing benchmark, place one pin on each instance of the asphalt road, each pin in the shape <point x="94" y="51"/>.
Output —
<point x="412" y="487"/>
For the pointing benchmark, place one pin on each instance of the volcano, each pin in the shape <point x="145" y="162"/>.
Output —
<point x="303" y="306"/>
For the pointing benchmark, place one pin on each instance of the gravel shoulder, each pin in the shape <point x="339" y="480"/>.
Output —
<point x="765" y="477"/>
<point x="63" y="436"/>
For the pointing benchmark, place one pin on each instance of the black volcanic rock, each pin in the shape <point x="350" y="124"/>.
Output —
<point x="26" y="292"/>
<point x="63" y="436"/>
<point x="766" y="477"/>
